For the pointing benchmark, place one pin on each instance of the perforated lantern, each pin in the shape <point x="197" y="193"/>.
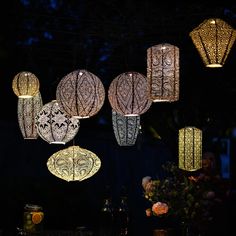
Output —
<point x="25" y="84"/>
<point x="54" y="126"/>
<point x="163" y="72"/>
<point x="74" y="163"/>
<point x="213" y="39"/>
<point x="128" y="94"/>
<point x="190" y="148"/>
<point x="27" y="110"/>
<point x="126" y="128"/>
<point x="80" y="94"/>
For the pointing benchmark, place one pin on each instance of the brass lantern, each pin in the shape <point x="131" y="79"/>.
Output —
<point x="190" y="148"/>
<point x="163" y="72"/>
<point x="25" y="84"/>
<point x="213" y="39"/>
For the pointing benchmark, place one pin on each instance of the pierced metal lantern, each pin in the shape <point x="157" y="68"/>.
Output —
<point x="190" y="148"/>
<point x="54" y="126"/>
<point x="25" y="84"/>
<point x="128" y="94"/>
<point x="80" y="94"/>
<point x="27" y="110"/>
<point x="213" y="39"/>
<point x="126" y="128"/>
<point x="74" y="163"/>
<point x="163" y="72"/>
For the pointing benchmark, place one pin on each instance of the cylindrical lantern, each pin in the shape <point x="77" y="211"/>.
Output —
<point x="54" y="126"/>
<point x="74" y="163"/>
<point x="27" y="110"/>
<point x="80" y="94"/>
<point x="163" y="72"/>
<point x="126" y="128"/>
<point x="25" y="84"/>
<point x="213" y="39"/>
<point x="128" y="94"/>
<point x="190" y="148"/>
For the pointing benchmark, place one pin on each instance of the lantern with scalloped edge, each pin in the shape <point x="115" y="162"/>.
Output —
<point x="27" y="110"/>
<point x="128" y="94"/>
<point x="80" y="94"/>
<point x="74" y="163"/>
<point x="213" y="39"/>
<point x="163" y="72"/>
<point x="190" y="148"/>
<point x="54" y="126"/>
<point x="25" y="84"/>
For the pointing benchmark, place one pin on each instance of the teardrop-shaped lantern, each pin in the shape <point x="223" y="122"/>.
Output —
<point x="163" y="72"/>
<point x="54" y="126"/>
<point x="27" y="110"/>
<point x="126" y="128"/>
<point x="25" y="84"/>
<point x="190" y="148"/>
<point x="213" y="39"/>
<point x="128" y="94"/>
<point x="74" y="163"/>
<point x="80" y="94"/>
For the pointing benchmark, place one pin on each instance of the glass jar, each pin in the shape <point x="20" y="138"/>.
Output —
<point x="33" y="219"/>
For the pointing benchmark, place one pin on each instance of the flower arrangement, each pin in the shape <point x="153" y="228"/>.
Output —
<point x="190" y="199"/>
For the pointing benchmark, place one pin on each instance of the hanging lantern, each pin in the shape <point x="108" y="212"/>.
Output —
<point x="128" y="94"/>
<point x="74" y="163"/>
<point x="190" y="148"/>
<point x="80" y="94"/>
<point x="126" y="128"/>
<point x="213" y="39"/>
<point x="25" y="84"/>
<point x="54" y="126"/>
<point x="27" y="110"/>
<point x="163" y="72"/>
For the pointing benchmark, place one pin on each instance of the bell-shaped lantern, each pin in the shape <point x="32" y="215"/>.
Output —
<point x="128" y="94"/>
<point x="80" y="94"/>
<point x="190" y="148"/>
<point x="163" y="72"/>
<point x="74" y="163"/>
<point x="54" y="126"/>
<point x="27" y="110"/>
<point x="213" y="39"/>
<point x="25" y="84"/>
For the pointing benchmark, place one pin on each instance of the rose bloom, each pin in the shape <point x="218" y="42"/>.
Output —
<point x="160" y="208"/>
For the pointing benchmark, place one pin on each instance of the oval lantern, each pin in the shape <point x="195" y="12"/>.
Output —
<point x="80" y="94"/>
<point x="74" y="163"/>
<point x="128" y="94"/>
<point x="54" y="126"/>
<point x="25" y="84"/>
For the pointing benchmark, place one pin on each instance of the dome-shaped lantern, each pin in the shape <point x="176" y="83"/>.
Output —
<point x="128" y="94"/>
<point x="213" y="39"/>
<point x="190" y="148"/>
<point x="74" y="163"/>
<point x="27" y="110"/>
<point x="126" y="128"/>
<point x="25" y="84"/>
<point x="54" y="126"/>
<point x="80" y="94"/>
<point x="163" y="72"/>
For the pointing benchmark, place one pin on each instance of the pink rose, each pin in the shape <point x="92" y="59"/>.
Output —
<point x="160" y="208"/>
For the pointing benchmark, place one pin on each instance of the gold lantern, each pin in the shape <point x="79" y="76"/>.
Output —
<point x="163" y="72"/>
<point x="128" y="94"/>
<point x="190" y="148"/>
<point x="126" y="128"/>
<point x="213" y="39"/>
<point x="80" y="94"/>
<point x="27" y="110"/>
<point x="25" y="84"/>
<point x="54" y="126"/>
<point x="74" y="163"/>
